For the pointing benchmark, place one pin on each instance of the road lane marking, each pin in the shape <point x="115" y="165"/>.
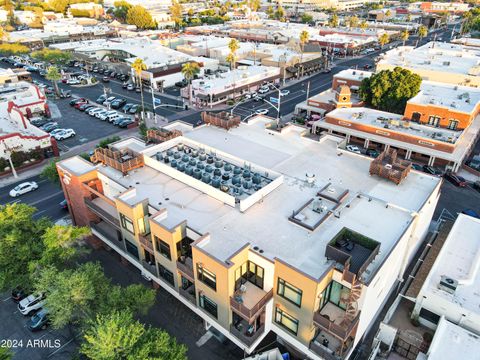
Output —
<point x="46" y="198"/>
<point x="6" y="299"/>
<point x="14" y="201"/>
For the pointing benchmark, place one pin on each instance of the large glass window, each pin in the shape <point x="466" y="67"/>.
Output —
<point x="127" y="224"/>
<point x="163" y="248"/>
<point x="131" y="249"/>
<point x="289" y="292"/>
<point x="452" y="124"/>
<point x="249" y="271"/>
<point x="208" y="305"/>
<point x="433" y="120"/>
<point x="335" y="293"/>
<point x="207" y="277"/>
<point x="287" y="321"/>
<point x="166" y="274"/>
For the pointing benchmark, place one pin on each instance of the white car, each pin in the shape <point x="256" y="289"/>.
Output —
<point x="93" y="111"/>
<point x="261" y="111"/>
<point x="73" y="81"/>
<point x="31" y="304"/>
<point x="64" y="134"/>
<point x="109" y="100"/>
<point x="263" y="90"/>
<point x="56" y="131"/>
<point x="112" y="117"/>
<point x="354" y="149"/>
<point x="23" y="188"/>
<point x="106" y="114"/>
<point x="284" y="92"/>
<point x="100" y="113"/>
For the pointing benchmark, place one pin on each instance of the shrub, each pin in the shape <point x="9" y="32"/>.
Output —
<point x="105" y="142"/>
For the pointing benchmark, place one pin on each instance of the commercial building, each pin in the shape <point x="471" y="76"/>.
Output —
<point x="19" y="102"/>
<point x="341" y="5"/>
<point x="164" y="65"/>
<point x="90" y="9"/>
<point x="258" y="230"/>
<point x="437" y="7"/>
<point x="8" y="76"/>
<point x="218" y="88"/>
<point x="436" y="61"/>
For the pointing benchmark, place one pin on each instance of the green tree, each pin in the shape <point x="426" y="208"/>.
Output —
<point x="140" y="17"/>
<point x="333" y="22"/>
<point x="58" y="5"/>
<point x="404" y="35"/>
<point x="13" y="49"/>
<point x="189" y="70"/>
<point x="353" y="21"/>
<point x="54" y="76"/>
<point x="139" y="66"/>
<point x="363" y="25"/>
<point x="50" y="172"/>
<point x="176" y="13"/>
<point x="119" y="336"/>
<point x="304" y="37"/>
<point x="254" y="5"/>
<point x="306" y="18"/>
<point x="5" y="353"/>
<point x="389" y="90"/>
<point x="29" y="245"/>
<point x="280" y="13"/>
<point x="53" y="56"/>
<point x="120" y="10"/>
<point x="383" y="39"/>
<point x="422" y="32"/>
<point x="76" y="296"/>
<point x="270" y="12"/>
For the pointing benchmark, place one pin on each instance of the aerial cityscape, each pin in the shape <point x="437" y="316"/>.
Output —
<point x="239" y="180"/>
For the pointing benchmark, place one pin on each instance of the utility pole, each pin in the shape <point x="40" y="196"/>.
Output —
<point x="308" y="89"/>
<point x="8" y="152"/>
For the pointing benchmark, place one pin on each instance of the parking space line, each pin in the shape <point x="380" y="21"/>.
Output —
<point x="53" y="353"/>
<point x="8" y="298"/>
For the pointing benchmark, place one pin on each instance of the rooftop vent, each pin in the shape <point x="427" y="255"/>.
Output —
<point x="447" y="284"/>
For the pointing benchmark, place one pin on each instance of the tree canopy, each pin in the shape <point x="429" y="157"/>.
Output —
<point x="13" y="49"/>
<point x="120" y="10"/>
<point x="176" y="13"/>
<point x="119" y="335"/>
<point x="52" y="56"/>
<point x="140" y="17"/>
<point x="389" y="90"/>
<point x="58" y="5"/>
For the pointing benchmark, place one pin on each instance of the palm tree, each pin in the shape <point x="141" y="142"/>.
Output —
<point x="304" y="35"/>
<point x="231" y="59"/>
<point x="422" y="32"/>
<point x="138" y="66"/>
<point x="404" y="36"/>
<point x="363" y="25"/>
<point x="333" y="22"/>
<point x="54" y="76"/>
<point x="233" y="45"/>
<point x="383" y="39"/>
<point x="353" y="21"/>
<point x="388" y="13"/>
<point x="189" y="70"/>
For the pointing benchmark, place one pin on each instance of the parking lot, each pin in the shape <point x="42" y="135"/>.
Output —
<point x="44" y="344"/>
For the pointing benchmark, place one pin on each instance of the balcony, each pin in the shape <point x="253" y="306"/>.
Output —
<point x="104" y="210"/>
<point x="185" y="266"/>
<point x="244" y="332"/>
<point x="146" y="242"/>
<point x="150" y="267"/>
<point x="188" y="293"/>
<point x="333" y="320"/>
<point x="107" y="232"/>
<point x="250" y="302"/>
<point x="329" y="347"/>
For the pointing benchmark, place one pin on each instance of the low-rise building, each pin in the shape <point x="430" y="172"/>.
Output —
<point x="439" y="7"/>
<point x="230" y="225"/>
<point x="89" y="9"/>
<point x="436" y="61"/>
<point x="8" y="76"/>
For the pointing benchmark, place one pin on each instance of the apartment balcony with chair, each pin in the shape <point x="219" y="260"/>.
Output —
<point x="249" y="300"/>
<point x="185" y="266"/>
<point x="187" y="290"/>
<point x="336" y="321"/>
<point x="245" y="332"/>
<point x="329" y="347"/>
<point x="104" y="210"/>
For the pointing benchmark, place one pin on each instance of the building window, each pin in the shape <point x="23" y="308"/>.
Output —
<point x="289" y="292"/>
<point x="249" y="271"/>
<point x="286" y="321"/>
<point x="131" y="249"/>
<point x="208" y="305"/>
<point x="163" y="248"/>
<point x="207" y="277"/>
<point x="166" y="274"/>
<point x="416" y="116"/>
<point x="127" y="224"/>
<point x="452" y="124"/>
<point x="433" y="120"/>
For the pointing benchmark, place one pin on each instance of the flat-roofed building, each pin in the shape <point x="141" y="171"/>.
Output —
<point x="257" y="230"/>
<point x="436" y="61"/>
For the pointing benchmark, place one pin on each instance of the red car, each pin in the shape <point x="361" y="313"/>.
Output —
<point x="455" y="179"/>
<point x="78" y="104"/>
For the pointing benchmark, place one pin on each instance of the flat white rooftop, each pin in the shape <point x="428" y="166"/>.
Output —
<point x="435" y="56"/>
<point x="353" y="74"/>
<point x="459" y="259"/>
<point x="453" y="342"/>
<point x="455" y="98"/>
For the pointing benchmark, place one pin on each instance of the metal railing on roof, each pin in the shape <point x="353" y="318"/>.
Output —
<point x="390" y="167"/>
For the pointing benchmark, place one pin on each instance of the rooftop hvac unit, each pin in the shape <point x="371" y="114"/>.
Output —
<point x="447" y="284"/>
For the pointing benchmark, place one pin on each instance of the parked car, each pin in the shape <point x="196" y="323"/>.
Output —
<point x="85" y="107"/>
<point x="126" y="122"/>
<point x="118" y="103"/>
<point x="18" y="294"/>
<point x="261" y="111"/>
<point x="105" y="115"/>
<point x="109" y="100"/>
<point x="63" y="204"/>
<point x="110" y="118"/>
<point x="73" y="81"/>
<point x="134" y="109"/>
<point x="118" y="120"/>
<point x="124" y="85"/>
<point x="130" y="87"/>
<point x="354" y="149"/>
<point x="127" y="107"/>
<point x="138" y="90"/>
<point x="455" y="179"/>
<point x="123" y="77"/>
<point x="113" y="74"/>
<point x="49" y="127"/>
<point x="431" y="170"/>
<point x="417" y="167"/>
<point x="101" y="99"/>
<point x="181" y="84"/>
<point x="100" y="113"/>
<point x="39" y="121"/>
<point x="78" y="104"/>
<point x="372" y="153"/>
<point x="31" y="304"/>
<point x="284" y="92"/>
<point x="73" y="102"/>
<point x="106" y="79"/>
<point x="257" y="98"/>
<point x="367" y="66"/>
<point x="93" y="111"/>
<point x="65" y="94"/>
<point x="64" y="134"/>
<point x="263" y="90"/>
<point x="38" y="321"/>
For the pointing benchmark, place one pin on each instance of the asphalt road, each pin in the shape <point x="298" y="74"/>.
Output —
<point x="46" y="198"/>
